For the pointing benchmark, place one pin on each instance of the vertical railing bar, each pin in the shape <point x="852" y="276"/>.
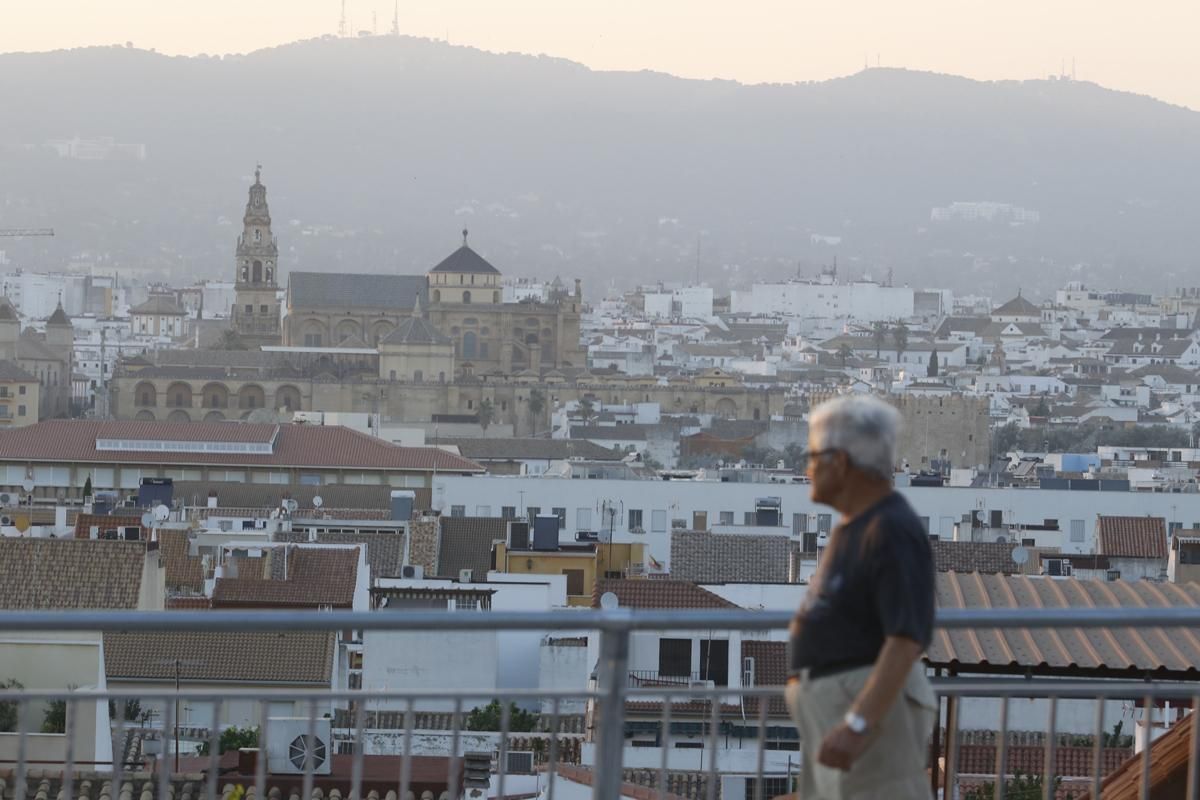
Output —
<point x="406" y="757"/>
<point x="1098" y="749"/>
<point x="612" y="683"/>
<point x="1002" y="750"/>
<point x="22" y="748"/>
<point x="1147" y="742"/>
<point x="952" y="703"/>
<point x="1193" y="781"/>
<point x="309" y="746"/>
<point x="164" y="772"/>
<point x="710" y="791"/>
<point x="1051" y="736"/>
<point x="452" y="765"/>
<point x="552" y="767"/>
<point x="502" y="754"/>
<point x="260" y="761"/>
<point x="118" y="762"/>
<point x="214" y="751"/>
<point x="356" y="767"/>
<point x="760" y="758"/>
<point x="665" y="742"/>
<point x="68" y="779"/>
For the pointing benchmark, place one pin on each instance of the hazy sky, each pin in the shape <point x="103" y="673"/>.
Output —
<point x="1145" y="46"/>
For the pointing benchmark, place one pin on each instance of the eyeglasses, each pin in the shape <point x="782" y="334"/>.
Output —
<point x="809" y="455"/>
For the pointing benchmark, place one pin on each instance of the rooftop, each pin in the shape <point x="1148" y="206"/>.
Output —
<point x="70" y="573"/>
<point x="1131" y="537"/>
<point x="225" y="656"/>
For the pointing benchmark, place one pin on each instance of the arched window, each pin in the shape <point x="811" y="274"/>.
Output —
<point x="495" y="297"/>
<point x="392" y="375"/>
<point x="470" y="345"/>
<point x="256" y="273"/>
<point x="437" y="295"/>
<point x="418" y="376"/>
<point x="466" y="297"/>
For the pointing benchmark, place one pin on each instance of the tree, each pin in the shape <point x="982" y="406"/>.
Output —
<point x="8" y="708"/>
<point x="587" y="409"/>
<point x="487" y="718"/>
<point x="900" y="339"/>
<point x="537" y="402"/>
<point x="229" y="340"/>
<point x="54" y="719"/>
<point x="487" y="414"/>
<point x="844" y="352"/>
<point x="932" y="370"/>
<point x="233" y="739"/>
<point x="87" y="487"/>
<point x="879" y="336"/>
<point x="1018" y="787"/>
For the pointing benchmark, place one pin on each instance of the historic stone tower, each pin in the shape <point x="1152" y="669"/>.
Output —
<point x="256" y="312"/>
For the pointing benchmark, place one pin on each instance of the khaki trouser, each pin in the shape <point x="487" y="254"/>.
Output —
<point x="893" y="765"/>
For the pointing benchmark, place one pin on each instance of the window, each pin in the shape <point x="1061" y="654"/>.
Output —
<point x="726" y="517"/>
<point x="574" y="581"/>
<point x="21" y="389"/>
<point x="312" y="340"/>
<point x="583" y="519"/>
<point x="508" y="512"/>
<point x="532" y="512"/>
<point x="824" y="523"/>
<point x="635" y="519"/>
<point x="675" y="657"/>
<point x="561" y="513"/>
<point x="799" y="524"/>
<point x="262" y="309"/>
<point x="458" y="511"/>
<point x="810" y="541"/>
<point x="20" y="411"/>
<point x="1076" y="530"/>
<point x="466" y="298"/>
<point x="249" y="309"/>
<point x="714" y="661"/>
<point x="748" y="518"/>
<point x="658" y="521"/>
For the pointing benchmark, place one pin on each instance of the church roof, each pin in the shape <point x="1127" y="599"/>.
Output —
<point x="1018" y="305"/>
<point x="158" y="304"/>
<point x="415" y="330"/>
<point x="466" y="260"/>
<point x="59" y="317"/>
<point x="342" y="290"/>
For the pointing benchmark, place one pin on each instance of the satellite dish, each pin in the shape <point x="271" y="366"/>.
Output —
<point x="147" y="520"/>
<point x="609" y="601"/>
<point x="161" y="513"/>
<point x="318" y="501"/>
<point x="291" y="505"/>
<point x="1020" y="555"/>
<point x="27" y="485"/>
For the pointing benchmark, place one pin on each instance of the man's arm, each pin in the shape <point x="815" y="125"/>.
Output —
<point x="842" y="746"/>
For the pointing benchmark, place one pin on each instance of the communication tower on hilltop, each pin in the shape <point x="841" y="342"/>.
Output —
<point x="342" y="23"/>
<point x="396" y="20"/>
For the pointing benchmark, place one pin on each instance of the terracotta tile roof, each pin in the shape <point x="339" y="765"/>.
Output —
<point x="466" y="543"/>
<point x="385" y="550"/>
<point x="199" y="603"/>
<point x="642" y="594"/>
<point x="1169" y="759"/>
<point x="70" y="573"/>
<point x="1069" y="762"/>
<point x="241" y="656"/>
<point x="951" y="556"/>
<point x="294" y="445"/>
<point x="1132" y="537"/>
<point x="1171" y="652"/>
<point x="770" y="669"/>
<point x="106" y="523"/>
<point x="184" y="572"/>
<point x="315" y="576"/>
<point x="706" y="557"/>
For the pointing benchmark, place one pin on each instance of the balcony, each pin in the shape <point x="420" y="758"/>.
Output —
<point x="626" y="728"/>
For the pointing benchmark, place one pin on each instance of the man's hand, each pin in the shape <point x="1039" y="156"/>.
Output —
<point x="841" y="747"/>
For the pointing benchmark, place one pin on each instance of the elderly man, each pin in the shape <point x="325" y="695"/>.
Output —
<point x="856" y="689"/>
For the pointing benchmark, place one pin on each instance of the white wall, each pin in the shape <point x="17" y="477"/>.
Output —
<point x="450" y="660"/>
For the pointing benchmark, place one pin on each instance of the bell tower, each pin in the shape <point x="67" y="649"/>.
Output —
<point x="256" y="311"/>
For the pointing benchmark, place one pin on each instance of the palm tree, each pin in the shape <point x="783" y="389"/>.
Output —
<point x="844" y="352"/>
<point x="900" y="339"/>
<point x="487" y="414"/>
<point x="537" y="404"/>
<point x="879" y="336"/>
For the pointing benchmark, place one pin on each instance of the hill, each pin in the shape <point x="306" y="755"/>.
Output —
<point x="380" y="149"/>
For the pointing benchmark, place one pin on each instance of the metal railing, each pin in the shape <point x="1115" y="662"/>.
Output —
<point x="715" y="716"/>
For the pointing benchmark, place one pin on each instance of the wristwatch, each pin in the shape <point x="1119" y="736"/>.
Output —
<point x="855" y="722"/>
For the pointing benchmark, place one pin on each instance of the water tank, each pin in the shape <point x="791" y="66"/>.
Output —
<point x="402" y="504"/>
<point x="545" y="532"/>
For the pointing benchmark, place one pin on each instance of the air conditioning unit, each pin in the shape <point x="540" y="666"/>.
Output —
<point x="701" y="684"/>
<point x="6" y="520"/>
<point x="748" y="671"/>
<point x="466" y="576"/>
<point x="519" y="762"/>
<point x="7" y="499"/>
<point x="413" y="572"/>
<point x="291" y="749"/>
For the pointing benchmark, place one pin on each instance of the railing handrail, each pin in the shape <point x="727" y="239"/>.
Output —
<point x="559" y="620"/>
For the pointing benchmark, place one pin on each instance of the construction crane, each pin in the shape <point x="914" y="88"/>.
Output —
<point x="26" y="231"/>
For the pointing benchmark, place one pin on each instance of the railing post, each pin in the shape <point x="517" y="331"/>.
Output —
<point x="612" y="675"/>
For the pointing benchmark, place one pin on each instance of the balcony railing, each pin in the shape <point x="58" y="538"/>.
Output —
<point x="619" y="731"/>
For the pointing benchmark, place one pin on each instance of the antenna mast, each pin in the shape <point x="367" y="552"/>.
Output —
<point x="396" y="20"/>
<point x="342" y="22"/>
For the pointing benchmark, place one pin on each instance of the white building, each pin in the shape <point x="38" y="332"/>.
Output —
<point x="688" y="302"/>
<point x="863" y="301"/>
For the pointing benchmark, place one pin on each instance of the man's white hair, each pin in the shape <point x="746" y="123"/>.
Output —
<point x="862" y="427"/>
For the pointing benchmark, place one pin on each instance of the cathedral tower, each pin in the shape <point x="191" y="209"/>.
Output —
<point x="256" y="311"/>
